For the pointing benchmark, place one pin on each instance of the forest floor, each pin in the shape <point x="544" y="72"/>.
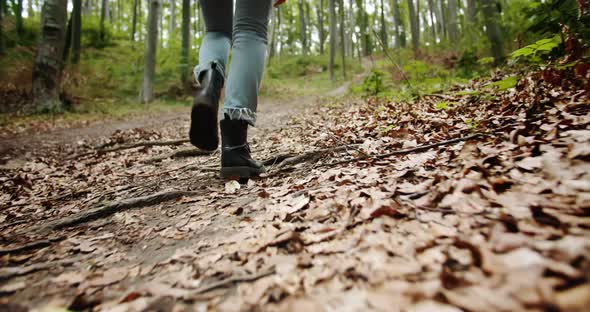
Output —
<point x="470" y="200"/>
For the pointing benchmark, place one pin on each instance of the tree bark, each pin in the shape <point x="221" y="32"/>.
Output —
<point x="342" y="38"/>
<point x="134" y="20"/>
<point x="172" y="25"/>
<point x="332" y="10"/>
<point x="321" y="33"/>
<point x="489" y="10"/>
<point x="302" y="28"/>
<point x="471" y="11"/>
<point x="186" y="21"/>
<point x="383" y="27"/>
<point x="76" y="31"/>
<point x="18" y="15"/>
<point x="2" y="41"/>
<point x="103" y="14"/>
<point x="151" y="46"/>
<point x="398" y="24"/>
<point x="453" y="23"/>
<point x="414" y="25"/>
<point x="68" y="41"/>
<point x="48" y="62"/>
<point x="434" y="27"/>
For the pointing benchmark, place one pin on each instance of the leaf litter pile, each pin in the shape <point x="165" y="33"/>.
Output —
<point x="471" y="200"/>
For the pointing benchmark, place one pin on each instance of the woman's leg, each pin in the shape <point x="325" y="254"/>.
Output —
<point x="210" y="73"/>
<point x="248" y="59"/>
<point x="241" y="92"/>
<point x="215" y="47"/>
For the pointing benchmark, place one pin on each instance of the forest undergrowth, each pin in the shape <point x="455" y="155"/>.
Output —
<point x="472" y="199"/>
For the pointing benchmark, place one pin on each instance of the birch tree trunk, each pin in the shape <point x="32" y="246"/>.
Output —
<point x="186" y="25"/>
<point x="414" y="25"/>
<point x="76" y="31"/>
<point x="151" y="46"/>
<point x="48" y="62"/>
<point x="493" y="31"/>
<point x="332" y="10"/>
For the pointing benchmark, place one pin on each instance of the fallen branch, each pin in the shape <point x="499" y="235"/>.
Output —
<point x="111" y="209"/>
<point x="417" y="149"/>
<point x="233" y="280"/>
<point x="183" y="153"/>
<point x="130" y="146"/>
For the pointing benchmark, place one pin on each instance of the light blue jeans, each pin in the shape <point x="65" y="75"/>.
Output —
<point x="248" y="48"/>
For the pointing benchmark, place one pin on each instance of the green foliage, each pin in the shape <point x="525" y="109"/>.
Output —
<point x="535" y="53"/>
<point x="374" y="84"/>
<point x="548" y="16"/>
<point x="91" y="36"/>
<point x="506" y="83"/>
<point x="298" y="66"/>
<point x="444" y="105"/>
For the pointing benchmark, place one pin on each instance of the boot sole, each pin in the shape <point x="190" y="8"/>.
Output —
<point x="240" y="172"/>
<point x="203" y="131"/>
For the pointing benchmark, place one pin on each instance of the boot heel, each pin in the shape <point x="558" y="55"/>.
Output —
<point x="239" y="172"/>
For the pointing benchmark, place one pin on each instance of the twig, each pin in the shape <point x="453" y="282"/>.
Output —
<point x="110" y="209"/>
<point x="406" y="79"/>
<point x="234" y="280"/>
<point x="417" y="149"/>
<point x="313" y="154"/>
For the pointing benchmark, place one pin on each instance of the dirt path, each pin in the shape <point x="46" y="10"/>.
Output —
<point x="372" y="205"/>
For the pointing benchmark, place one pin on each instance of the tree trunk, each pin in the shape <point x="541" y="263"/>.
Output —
<point x="186" y="25"/>
<point x="434" y="22"/>
<point x="397" y="23"/>
<point x="332" y="10"/>
<point x="383" y="27"/>
<point x="414" y="25"/>
<point x="134" y="20"/>
<point x="471" y="11"/>
<point x="103" y="14"/>
<point x="151" y="45"/>
<point x="321" y="33"/>
<point x="490" y="13"/>
<point x="302" y="27"/>
<point x="18" y="14"/>
<point x="273" y="35"/>
<point x="452" y="23"/>
<point x="351" y="27"/>
<point x="442" y="17"/>
<point x="48" y="62"/>
<point x="172" y="26"/>
<point x="2" y="41"/>
<point x="342" y="40"/>
<point x="76" y="31"/>
<point x="161" y="23"/>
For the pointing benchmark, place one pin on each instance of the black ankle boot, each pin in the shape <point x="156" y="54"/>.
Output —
<point x="203" y="130"/>
<point x="235" y="152"/>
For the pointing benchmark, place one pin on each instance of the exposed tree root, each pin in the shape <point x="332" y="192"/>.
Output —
<point x="110" y="209"/>
<point x="130" y="146"/>
<point x="189" y="152"/>
<point x="233" y="280"/>
<point x="12" y="272"/>
<point x="27" y="247"/>
<point x="284" y="160"/>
